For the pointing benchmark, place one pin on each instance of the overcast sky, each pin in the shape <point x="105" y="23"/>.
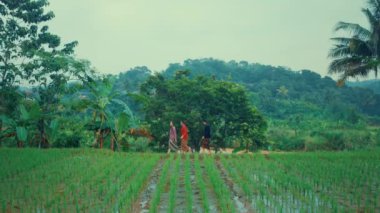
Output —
<point x="116" y="35"/>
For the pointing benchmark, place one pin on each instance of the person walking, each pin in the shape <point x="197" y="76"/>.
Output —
<point x="206" y="137"/>
<point x="172" y="138"/>
<point x="184" y="137"/>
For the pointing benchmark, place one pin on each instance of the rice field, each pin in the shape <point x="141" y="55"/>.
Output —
<point x="88" y="180"/>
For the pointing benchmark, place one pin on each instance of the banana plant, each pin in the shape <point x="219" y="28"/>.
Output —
<point x="99" y="100"/>
<point x="52" y="131"/>
<point x="8" y="126"/>
<point x="18" y="127"/>
<point x="22" y="135"/>
<point x="122" y="124"/>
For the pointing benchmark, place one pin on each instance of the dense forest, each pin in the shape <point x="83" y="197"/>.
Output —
<point x="369" y="84"/>
<point x="131" y="111"/>
<point x="303" y="109"/>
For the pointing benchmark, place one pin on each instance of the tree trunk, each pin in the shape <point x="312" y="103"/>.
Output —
<point x="40" y="127"/>
<point x="20" y="144"/>
<point x="112" y="143"/>
<point x="96" y="138"/>
<point x="43" y="141"/>
<point x="101" y="139"/>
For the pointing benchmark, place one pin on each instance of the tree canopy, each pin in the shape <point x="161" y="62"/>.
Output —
<point x="359" y="53"/>
<point x="225" y="105"/>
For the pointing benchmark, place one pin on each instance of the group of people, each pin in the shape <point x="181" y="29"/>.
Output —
<point x="205" y="141"/>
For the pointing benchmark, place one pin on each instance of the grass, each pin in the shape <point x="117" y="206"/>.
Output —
<point x="89" y="180"/>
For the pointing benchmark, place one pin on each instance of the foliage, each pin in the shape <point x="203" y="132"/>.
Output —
<point x="25" y="38"/>
<point x="374" y="85"/>
<point x="327" y="136"/>
<point x="358" y="54"/>
<point x="223" y="104"/>
<point x="279" y="92"/>
<point x="30" y="54"/>
<point x="138" y="144"/>
<point x="49" y="98"/>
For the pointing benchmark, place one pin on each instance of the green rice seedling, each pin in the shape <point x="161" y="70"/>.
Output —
<point x="136" y="181"/>
<point x="189" y="193"/>
<point x="320" y="181"/>
<point x="161" y="183"/>
<point x="174" y="185"/>
<point x="202" y="185"/>
<point x="235" y="172"/>
<point x="220" y="189"/>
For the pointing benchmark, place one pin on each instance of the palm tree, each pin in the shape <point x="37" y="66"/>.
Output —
<point x="359" y="54"/>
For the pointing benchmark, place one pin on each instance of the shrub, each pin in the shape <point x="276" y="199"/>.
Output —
<point x="139" y="144"/>
<point x="291" y="143"/>
<point x="314" y="143"/>
<point x="334" y="140"/>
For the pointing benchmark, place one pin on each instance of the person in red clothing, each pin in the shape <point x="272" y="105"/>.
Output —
<point x="184" y="137"/>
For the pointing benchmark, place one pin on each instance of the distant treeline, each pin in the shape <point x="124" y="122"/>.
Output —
<point x="278" y="92"/>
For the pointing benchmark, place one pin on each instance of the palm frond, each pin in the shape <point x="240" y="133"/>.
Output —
<point x="357" y="55"/>
<point x="374" y="5"/>
<point x="346" y="40"/>
<point x="339" y="51"/>
<point x="343" y="64"/>
<point x="355" y="29"/>
<point x="354" y="44"/>
<point x="351" y="70"/>
<point x="370" y="17"/>
<point x="353" y="66"/>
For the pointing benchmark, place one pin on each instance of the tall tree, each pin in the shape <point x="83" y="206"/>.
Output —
<point x="359" y="53"/>
<point x="224" y="104"/>
<point x="30" y="54"/>
<point x="28" y="51"/>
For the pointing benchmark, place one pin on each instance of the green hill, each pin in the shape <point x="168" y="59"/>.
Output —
<point x="276" y="91"/>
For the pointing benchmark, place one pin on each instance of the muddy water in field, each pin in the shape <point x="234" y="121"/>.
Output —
<point x="197" y="199"/>
<point x="180" y="195"/>
<point x="147" y="193"/>
<point x="165" y="195"/>
<point x="242" y="204"/>
<point x="213" y="202"/>
<point x="180" y="204"/>
<point x="181" y="198"/>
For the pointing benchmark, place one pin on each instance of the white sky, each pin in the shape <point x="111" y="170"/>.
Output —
<point x="116" y="35"/>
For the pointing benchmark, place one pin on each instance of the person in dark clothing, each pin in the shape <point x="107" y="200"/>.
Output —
<point x="206" y="137"/>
